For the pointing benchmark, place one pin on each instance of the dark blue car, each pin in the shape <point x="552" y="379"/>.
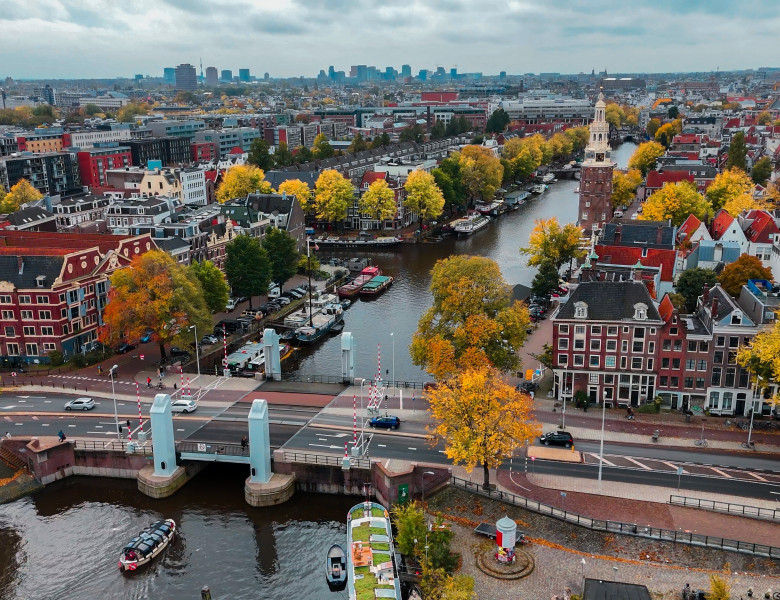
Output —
<point x="386" y="422"/>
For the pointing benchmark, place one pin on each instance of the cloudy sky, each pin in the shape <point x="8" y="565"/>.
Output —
<point x="109" y="38"/>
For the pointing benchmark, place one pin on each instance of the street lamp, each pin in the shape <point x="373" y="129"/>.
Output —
<point x="197" y="359"/>
<point x="362" y="419"/>
<point x="601" y="446"/>
<point x="392" y="337"/>
<point x="423" y="484"/>
<point x="112" y="374"/>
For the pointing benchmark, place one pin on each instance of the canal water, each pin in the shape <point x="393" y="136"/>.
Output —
<point x="391" y="319"/>
<point x="64" y="542"/>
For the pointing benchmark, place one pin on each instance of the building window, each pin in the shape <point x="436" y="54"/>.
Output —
<point x="24" y="300"/>
<point x="690" y="365"/>
<point x="704" y="346"/>
<point x="727" y="398"/>
<point x="579" y="330"/>
<point x="5" y="299"/>
<point x="44" y="315"/>
<point x="717" y="357"/>
<point x="593" y="360"/>
<point x="563" y="329"/>
<point x="716" y="372"/>
<point x="700" y="383"/>
<point x="701" y="365"/>
<point x="640" y="312"/>
<point x="688" y="383"/>
<point x="47" y="330"/>
<point x="10" y="332"/>
<point x="49" y="347"/>
<point x="13" y="349"/>
<point x="42" y="299"/>
<point x="667" y="345"/>
<point x="612" y="330"/>
<point x="31" y="349"/>
<point x="636" y="363"/>
<point x="580" y="310"/>
<point x="664" y="363"/>
<point x="8" y="315"/>
<point x="609" y="362"/>
<point x="673" y="331"/>
<point x="579" y="344"/>
<point x="563" y="343"/>
<point x="595" y="329"/>
<point x="27" y="315"/>
<point x="675" y="363"/>
<point x="624" y="346"/>
<point x="638" y="347"/>
<point x="732" y="357"/>
<point x="730" y="375"/>
<point x="649" y="364"/>
<point x="29" y="330"/>
<point x="595" y="345"/>
<point x="674" y="382"/>
<point x="678" y="345"/>
<point x="720" y="341"/>
<point x="579" y="360"/>
<point x="664" y="381"/>
<point x="691" y="346"/>
<point x="611" y="345"/>
<point x="563" y="360"/>
<point x="714" y="398"/>
<point x="625" y="329"/>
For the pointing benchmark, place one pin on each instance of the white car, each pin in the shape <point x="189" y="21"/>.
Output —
<point x="80" y="404"/>
<point x="231" y="304"/>
<point x="183" y="406"/>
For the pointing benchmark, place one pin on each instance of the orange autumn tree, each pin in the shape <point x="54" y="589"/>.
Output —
<point x="481" y="418"/>
<point x="154" y="293"/>
<point x="473" y="321"/>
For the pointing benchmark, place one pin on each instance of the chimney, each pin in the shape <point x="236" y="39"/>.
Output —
<point x="20" y="262"/>
<point x="714" y="309"/>
<point x="659" y="235"/>
<point x="618" y="231"/>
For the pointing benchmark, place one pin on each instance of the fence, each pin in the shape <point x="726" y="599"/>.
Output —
<point x="414" y="385"/>
<point x="226" y="449"/>
<point x="326" y="459"/>
<point x="664" y="535"/>
<point x="753" y="512"/>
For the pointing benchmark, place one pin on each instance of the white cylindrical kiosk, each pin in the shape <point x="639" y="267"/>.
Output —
<point x="506" y="533"/>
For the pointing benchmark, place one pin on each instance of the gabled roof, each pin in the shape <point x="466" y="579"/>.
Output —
<point x="721" y="223"/>
<point x="666" y="308"/>
<point x="276" y="178"/>
<point x="610" y="300"/>
<point x="647" y="234"/>
<point x="370" y="177"/>
<point x="762" y="228"/>
<point x="25" y="217"/>
<point x="270" y="203"/>
<point x="629" y="255"/>
<point x="32" y="266"/>
<point x="691" y="224"/>
<point x="658" y="180"/>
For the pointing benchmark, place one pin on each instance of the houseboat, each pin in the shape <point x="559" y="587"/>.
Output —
<point x="363" y="240"/>
<point x="515" y="200"/>
<point x="147" y="545"/>
<point x="376" y="286"/>
<point x="351" y="290"/>
<point x="320" y="325"/>
<point x="472" y="223"/>
<point x="549" y="178"/>
<point x="539" y="188"/>
<point x="370" y="554"/>
<point x="491" y="209"/>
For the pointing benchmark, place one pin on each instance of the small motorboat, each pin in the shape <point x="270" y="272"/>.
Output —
<point x="346" y="303"/>
<point x="338" y="327"/>
<point x="336" y="568"/>
<point x="147" y="545"/>
<point x="287" y="335"/>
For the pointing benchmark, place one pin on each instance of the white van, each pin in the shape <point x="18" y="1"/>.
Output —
<point x="274" y="291"/>
<point x="231" y="304"/>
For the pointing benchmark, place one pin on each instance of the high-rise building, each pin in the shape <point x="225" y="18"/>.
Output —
<point x="502" y="75"/>
<point x="423" y="75"/>
<point x="266" y="76"/>
<point x="186" y="78"/>
<point x="596" y="176"/>
<point x="226" y="75"/>
<point x="454" y="73"/>
<point x="212" y="78"/>
<point x="169" y="75"/>
<point x="243" y="75"/>
<point x="406" y="71"/>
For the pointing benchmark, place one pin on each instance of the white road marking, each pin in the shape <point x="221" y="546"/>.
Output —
<point x="722" y="473"/>
<point x="636" y="462"/>
<point x="98" y="426"/>
<point x="411" y="448"/>
<point x="756" y="476"/>
<point x="9" y="407"/>
<point x="606" y="462"/>
<point x="382" y="445"/>
<point x="177" y="429"/>
<point x="332" y="447"/>
<point x="668" y="464"/>
<point x="45" y="424"/>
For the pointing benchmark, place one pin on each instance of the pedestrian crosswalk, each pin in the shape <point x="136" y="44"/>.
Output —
<point x="93" y="379"/>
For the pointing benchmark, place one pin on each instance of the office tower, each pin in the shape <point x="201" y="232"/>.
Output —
<point x="243" y="75"/>
<point x="169" y="75"/>
<point x="227" y="75"/>
<point x="186" y="78"/>
<point x="211" y="76"/>
<point x="406" y="71"/>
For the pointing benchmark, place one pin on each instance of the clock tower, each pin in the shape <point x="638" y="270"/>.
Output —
<point x="596" y="175"/>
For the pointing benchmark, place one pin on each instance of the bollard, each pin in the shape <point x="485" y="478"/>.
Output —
<point x="205" y="593"/>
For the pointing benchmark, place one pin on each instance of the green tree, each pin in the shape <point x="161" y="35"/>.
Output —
<point x="719" y="588"/>
<point x="497" y="121"/>
<point x="282" y="155"/>
<point x="303" y="155"/>
<point x="762" y="170"/>
<point x="481" y="172"/>
<point x="736" y="274"/>
<point x="358" y="143"/>
<point x="380" y="141"/>
<point x="131" y="112"/>
<point x="546" y="278"/>
<point x="212" y="282"/>
<point x="322" y="148"/>
<point x="247" y="267"/>
<point x="691" y="284"/>
<point x="673" y="112"/>
<point x="333" y="195"/>
<point x="438" y="130"/>
<point x="92" y="109"/>
<point x="614" y="115"/>
<point x="409" y="521"/>
<point x="260" y="155"/>
<point x="21" y="193"/>
<point x="43" y="110"/>
<point x="653" y="125"/>
<point x="737" y="152"/>
<point x="415" y="133"/>
<point x="282" y="252"/>
<point x="154" y="293"/>
<point x="378" y="201"/>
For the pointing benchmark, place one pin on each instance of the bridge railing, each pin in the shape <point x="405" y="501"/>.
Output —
<point x="665" y="535"/>
<point x="413" y="385"/>
<point x="326" y="459"/>
<point x="743" y="510"/>
<point x="226" y="449"/>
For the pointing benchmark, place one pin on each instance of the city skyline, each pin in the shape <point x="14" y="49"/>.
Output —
<point x="68" y="39"/>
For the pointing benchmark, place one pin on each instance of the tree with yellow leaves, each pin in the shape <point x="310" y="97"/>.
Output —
<point x="548" y="240"/>
<point x="764" y="118"/>
<point x="21" y="193"/>
<point x="472" y="320"/>
<point x="614" y="115"/>
<point x="299" y="189"/>
<point x="481" y="172"/>
<point x="379" y="201"/>
<point x="736" y="206"/>
<point x="481" y="418"/>
<point x="333" y="195"/>
<point x="624" y="186"/>
<point x="666" y="133"/>
<point x="423" y="196"/>
<point x="762" y="355"/>
<point x="728" y="186"/>
<point x="676" y="202"/>
<point x="644" y="157"/>
<point x="240" y="181"/>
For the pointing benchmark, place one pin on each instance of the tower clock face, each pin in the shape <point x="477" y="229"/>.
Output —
<point x="600" y="156"/>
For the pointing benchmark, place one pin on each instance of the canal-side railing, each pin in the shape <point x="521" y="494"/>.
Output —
<point x="412" y="385"/>
<point x="333" y="460"/>
<point x="743" y="510"/>
<point x="655" y="533"/>
<point x="226" y="449"/>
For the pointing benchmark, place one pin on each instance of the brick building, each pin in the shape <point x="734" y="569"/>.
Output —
<point x="595" y="206"/>
<point x="94" y="162"/>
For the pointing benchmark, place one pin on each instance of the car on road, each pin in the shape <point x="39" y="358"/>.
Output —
<point x="179" y="353"/>
<point x="617" y="214"/>
<point x="386" y="422"/>
<point x="557" y="438"/>
<point x="124" y="347"/>
<point x="184" y="406"/>
<point x="93" y="346"/>
<point x="208" y="340"/>
<point x="231" y="304"/>
<point x="80" y="404"/>
<point x="147" y="337"/>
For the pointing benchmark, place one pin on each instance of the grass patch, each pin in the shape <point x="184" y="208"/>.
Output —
<point x="378" y="531"/>
<point x="379" y="546"/>
<point x="380" y="558"/>
<point x="361" y="533"/>
<point x="377" y="512"/>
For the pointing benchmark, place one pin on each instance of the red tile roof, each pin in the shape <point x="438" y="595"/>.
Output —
<point x="656" y="180"/>
<point x="762" y="228"/>
<point x="688" y="138"/>
<point x="666" y="308"/>
<point x="721" y="223"/>
<point x="625" y="255"/>
<point x="370" y="177"/>
<point x="690" y="225"/>
<point x="732" y="123"/>
<point x="56" y="243"/>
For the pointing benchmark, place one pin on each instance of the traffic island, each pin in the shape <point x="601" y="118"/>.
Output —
<point x="157" y="486"/>
<point x="277" y="490"/>
<point x="521" y="566"/>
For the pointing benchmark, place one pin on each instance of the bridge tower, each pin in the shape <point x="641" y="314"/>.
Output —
<point x="347" y="356"/>
<point x="163" y="443"/>
<point x="273" y="362"/>
<point x="263" y="487"/>
<point x="595" y="208"/>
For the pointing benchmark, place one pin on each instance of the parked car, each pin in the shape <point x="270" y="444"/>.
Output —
<point x="557" y="438"/>
<point x="229" y="325"/>
<point x="528" y="386"/>
<point x="283" y="300"/>
<point x="617" y="214"/>
<point x="231" y="304"/>
<point x="253" y="313"/>
<point x="124" y="347"/>
<point x="93" y="346"/>
<point x="386" y="422"/>
<point x="208" y="340"/>
<point x="179" y="353"/>
<point x="147" y="337"/>
<point x="184" y="406"/>
<point x="297" y="293"/>
<point x="243" y="373"/>
<point x="80" y="404"/>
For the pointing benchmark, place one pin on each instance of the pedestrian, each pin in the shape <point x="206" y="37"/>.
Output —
<point x="148" y="382"/>
<point x="100" y="370"/>
<point x="8" y="435"/>
<point x="61" y="435"/>
<point x="532" y="394"/>
<point x="128" y="424"/>
<point x="244" y="444"/>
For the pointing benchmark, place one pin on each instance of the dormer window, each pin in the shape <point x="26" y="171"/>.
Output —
<point x="640" y="312"/>
<point x="736" y="317"/>
<point x="580" y="310"/>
